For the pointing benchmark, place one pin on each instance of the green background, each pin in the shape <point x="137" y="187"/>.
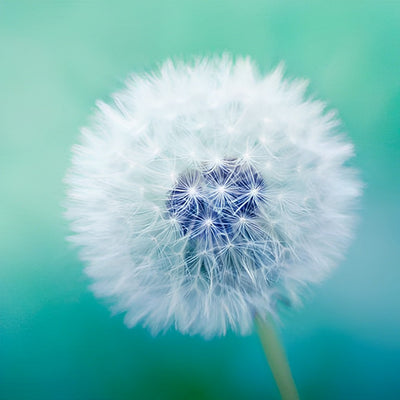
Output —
<point x="56" y="59"/>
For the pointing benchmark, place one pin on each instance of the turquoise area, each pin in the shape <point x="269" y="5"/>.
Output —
<point x="57" y="57"/>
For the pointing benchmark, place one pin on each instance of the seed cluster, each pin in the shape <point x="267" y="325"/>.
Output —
<point x="214" y="203"/>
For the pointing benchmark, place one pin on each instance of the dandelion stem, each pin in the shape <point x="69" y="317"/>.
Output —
<point x="276" y="357"/>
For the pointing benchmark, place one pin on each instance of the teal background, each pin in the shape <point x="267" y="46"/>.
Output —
<point x="56" y="59"/>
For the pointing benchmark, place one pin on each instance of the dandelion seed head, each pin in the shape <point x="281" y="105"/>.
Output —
<point x="208" y="193"/>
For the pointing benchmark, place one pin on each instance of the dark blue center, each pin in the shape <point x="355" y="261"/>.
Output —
<point x="211" y="203"/>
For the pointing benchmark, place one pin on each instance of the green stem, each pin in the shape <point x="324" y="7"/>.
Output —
<point x="277" y="360"/>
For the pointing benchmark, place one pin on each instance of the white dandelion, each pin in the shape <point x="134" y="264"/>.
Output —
<point x="207" y="194"/>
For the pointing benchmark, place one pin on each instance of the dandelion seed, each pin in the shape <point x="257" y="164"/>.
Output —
<point x="226" y="212"/>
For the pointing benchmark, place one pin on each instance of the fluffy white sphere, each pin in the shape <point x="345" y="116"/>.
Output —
<point x="207" y="193"/>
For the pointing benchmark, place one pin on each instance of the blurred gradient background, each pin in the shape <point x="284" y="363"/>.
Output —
<point x="56" y="58"/>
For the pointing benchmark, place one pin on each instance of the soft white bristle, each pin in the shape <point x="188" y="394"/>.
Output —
<point x="149" y="223"/>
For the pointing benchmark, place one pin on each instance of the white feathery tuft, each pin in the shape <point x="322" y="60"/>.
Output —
<point x="207" y="193"/>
